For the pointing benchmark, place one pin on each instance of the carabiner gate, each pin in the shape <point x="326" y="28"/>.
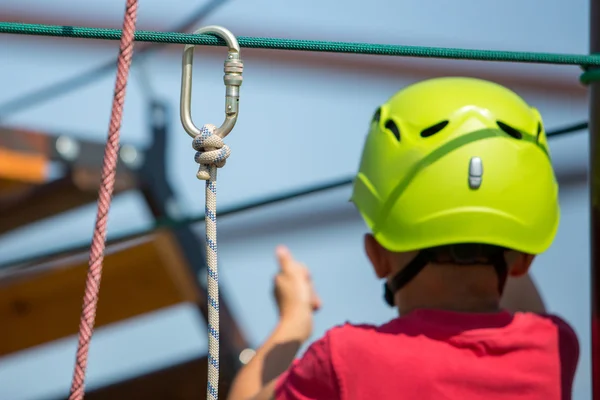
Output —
<point x="233" y="80"/>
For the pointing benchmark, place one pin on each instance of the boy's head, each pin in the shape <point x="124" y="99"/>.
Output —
<point x="455" y="175"/>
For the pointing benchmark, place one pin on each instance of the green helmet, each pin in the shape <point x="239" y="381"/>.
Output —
<point x="457" y="160"/>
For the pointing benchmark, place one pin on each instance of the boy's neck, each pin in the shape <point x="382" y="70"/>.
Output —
<point x="461" y="289"/>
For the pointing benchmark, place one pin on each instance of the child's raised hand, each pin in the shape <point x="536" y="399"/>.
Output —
<point x="294" y="291"/>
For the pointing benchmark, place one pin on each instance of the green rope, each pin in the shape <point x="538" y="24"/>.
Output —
<point x="590" y="76"/>
<point x="304" y="45"/>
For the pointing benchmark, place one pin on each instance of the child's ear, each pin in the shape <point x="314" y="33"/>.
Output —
<point x="520" y="264"/>
<point x="376" y="255"/>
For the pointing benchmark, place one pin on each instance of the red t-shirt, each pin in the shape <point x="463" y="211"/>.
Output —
<point x="439" y="355"/>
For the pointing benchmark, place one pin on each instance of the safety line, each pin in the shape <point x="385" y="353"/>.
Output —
<point x="305" y="45"/>
<point x="568" y="129"/>
<point x="107" y="184"/>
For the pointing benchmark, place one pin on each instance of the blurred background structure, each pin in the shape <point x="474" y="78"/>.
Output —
<point x="313" y="108"/>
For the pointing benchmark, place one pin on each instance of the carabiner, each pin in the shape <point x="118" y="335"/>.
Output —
<point x="232" y="79"/>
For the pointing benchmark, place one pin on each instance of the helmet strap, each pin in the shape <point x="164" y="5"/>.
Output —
<point x="457" y="254"/>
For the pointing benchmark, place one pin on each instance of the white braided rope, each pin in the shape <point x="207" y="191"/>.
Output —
<point x="211" y="154"/>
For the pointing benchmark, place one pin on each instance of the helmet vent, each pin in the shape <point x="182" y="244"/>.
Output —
<point x="391" y="126"/>
<point x="510" y="130"/>
<point x="539" y="132"/>
<point x="432" y="130"/>
<point x="376" y="116"/>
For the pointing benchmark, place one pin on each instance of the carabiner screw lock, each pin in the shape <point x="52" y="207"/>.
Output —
<point x="233" y="68"/>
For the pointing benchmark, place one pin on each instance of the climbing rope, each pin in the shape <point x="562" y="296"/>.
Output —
<point x="109" y="168"/>
<point x="212" y="153"/>
<point x="305" y="45"/>
<point x="209" y="162"/>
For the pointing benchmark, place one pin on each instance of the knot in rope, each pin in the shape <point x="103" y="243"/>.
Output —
<point x="210" y="151"/>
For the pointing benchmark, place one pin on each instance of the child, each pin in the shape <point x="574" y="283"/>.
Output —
<point x="457" y="188"/>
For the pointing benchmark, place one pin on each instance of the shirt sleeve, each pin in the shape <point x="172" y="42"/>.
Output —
<point x="311" y="377"/>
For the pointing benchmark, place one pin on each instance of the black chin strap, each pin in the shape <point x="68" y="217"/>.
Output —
<point x="461" y="254"/>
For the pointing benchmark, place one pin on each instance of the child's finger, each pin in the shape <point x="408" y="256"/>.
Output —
<point x="284" y="258"/>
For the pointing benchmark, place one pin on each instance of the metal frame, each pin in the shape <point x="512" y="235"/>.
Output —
<point x="77" y="162"/>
